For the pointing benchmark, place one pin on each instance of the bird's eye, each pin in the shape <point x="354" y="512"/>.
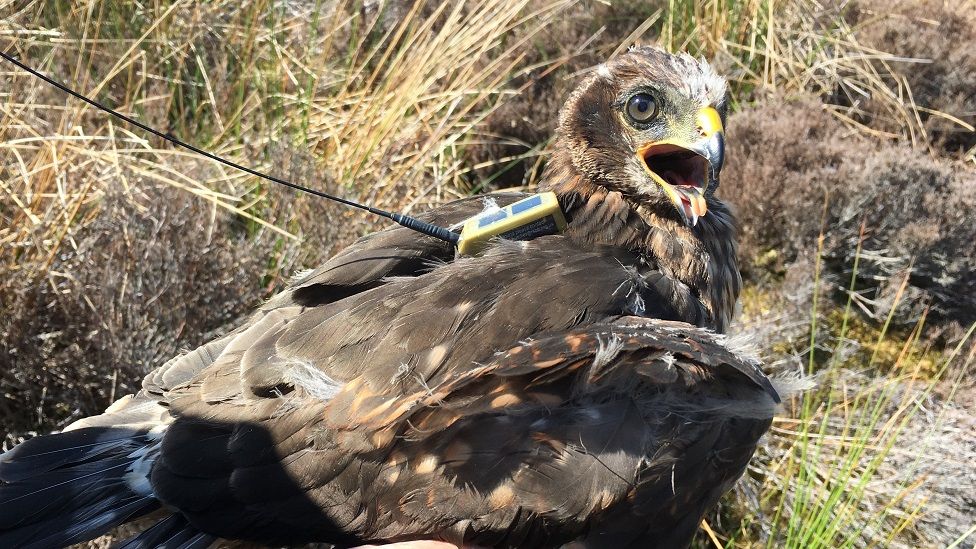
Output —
<point x="641" y="107"/>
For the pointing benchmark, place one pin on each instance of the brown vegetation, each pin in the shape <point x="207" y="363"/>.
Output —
<point x="796" y="173"/>
<point x="150" y="276"/>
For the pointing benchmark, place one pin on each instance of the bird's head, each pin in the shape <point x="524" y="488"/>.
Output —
<point x="649" y="124"/>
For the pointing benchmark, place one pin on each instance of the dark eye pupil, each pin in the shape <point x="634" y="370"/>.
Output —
<point x="642" y="105"/>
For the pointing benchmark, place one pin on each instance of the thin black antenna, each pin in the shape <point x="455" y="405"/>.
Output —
<point x="405" y="220"/>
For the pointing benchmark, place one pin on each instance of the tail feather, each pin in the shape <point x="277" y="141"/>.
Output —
<point x="173" y="532"/>
<point x="69" y="528"/>
<point x="71" y="487"/>
<point x="41" y="455"/>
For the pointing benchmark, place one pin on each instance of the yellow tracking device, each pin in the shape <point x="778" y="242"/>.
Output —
<point x="526" y="219"/>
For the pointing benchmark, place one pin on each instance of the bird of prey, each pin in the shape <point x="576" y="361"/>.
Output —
<point x="571" y="390"/>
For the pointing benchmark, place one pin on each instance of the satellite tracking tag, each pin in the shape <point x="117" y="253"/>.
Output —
<point x="535" y="216"/>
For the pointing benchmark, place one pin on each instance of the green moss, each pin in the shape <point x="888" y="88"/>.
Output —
<point x="883" y="352"/>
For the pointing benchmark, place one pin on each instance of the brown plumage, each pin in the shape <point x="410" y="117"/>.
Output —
<point x="553" y="391"/>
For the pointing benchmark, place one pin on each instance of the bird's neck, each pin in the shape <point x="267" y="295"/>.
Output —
<point x="703" y="258"/>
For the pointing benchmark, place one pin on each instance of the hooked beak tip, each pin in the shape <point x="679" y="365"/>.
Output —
<point x="715" y="154"/>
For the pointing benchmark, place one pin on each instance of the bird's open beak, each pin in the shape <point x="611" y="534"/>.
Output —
<point x="685" y="168"/>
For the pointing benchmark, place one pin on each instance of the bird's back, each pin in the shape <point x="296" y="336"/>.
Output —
<point x="506" y="400"/>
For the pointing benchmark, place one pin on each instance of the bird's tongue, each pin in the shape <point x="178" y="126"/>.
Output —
<point x="690" y="193"/>
<point x="692" y="202"/>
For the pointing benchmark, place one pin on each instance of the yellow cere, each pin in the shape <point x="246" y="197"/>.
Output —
<point x="526" y="219"/>
<point x="709" y="121"/>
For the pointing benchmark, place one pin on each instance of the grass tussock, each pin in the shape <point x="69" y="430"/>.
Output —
<point x="859" y="459"/>
<point x="941" y="36"/>
<point x="851" y="165"/>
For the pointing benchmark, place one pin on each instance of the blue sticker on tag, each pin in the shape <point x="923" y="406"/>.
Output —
<point x="526" y="204"/>
<point x="488" y="219"/>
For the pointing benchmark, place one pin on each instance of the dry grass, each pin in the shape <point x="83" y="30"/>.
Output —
<point x="118" y="250"/>
<point x="942" y="35"/>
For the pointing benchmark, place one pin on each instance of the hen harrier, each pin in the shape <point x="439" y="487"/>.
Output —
<point x="571" y="389"/>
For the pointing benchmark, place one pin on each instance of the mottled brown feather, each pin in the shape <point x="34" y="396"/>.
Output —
<point x="619" y="429"/>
